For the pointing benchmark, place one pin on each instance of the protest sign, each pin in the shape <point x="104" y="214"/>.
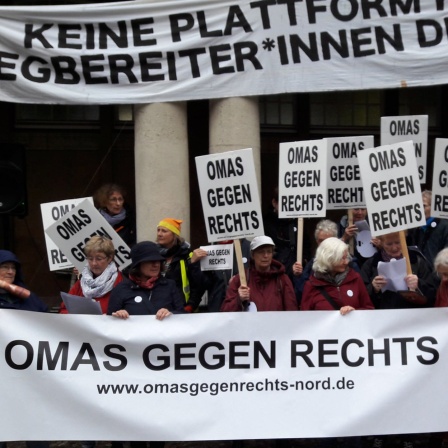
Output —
<point x="229" y="195"/>
<point x="155" y="380"/>
<point x="439" y="200"/>
<point x="344" y="185"/>
<point x="72" y="231"/>
<point x="52" y="212"/>
<point x="302" y="189"/>
<point x="410" y="127"/>
<point x="218" y="257"/>
<point x="146" y="52"/>
<point x="391" y="188"/>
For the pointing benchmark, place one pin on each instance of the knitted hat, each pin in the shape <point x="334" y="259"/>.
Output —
<point x="145" y="251"/>
<point x="171" y="224"/>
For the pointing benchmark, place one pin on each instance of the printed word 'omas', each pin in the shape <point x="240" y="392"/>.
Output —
<point x="22" y="355"/>
<point x="69" y="227"/>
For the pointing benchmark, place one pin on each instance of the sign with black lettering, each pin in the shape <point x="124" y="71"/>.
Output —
<point x="141" y="51"/>
<point x="392" y="189"/>
<point x="72" y="231"/>
<point x="439" y="201"/>
<point x="229" y="194"/>
<point x="344" y="185"/>
<point x="410" y="127"/>
<point x="302" y="179"/>
<point x="52" y="212"/>
<point x="219" y="257"/>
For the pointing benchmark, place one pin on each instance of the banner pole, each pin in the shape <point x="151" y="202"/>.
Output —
<point x="239" y="259"/>
<point x="299" y="239"/>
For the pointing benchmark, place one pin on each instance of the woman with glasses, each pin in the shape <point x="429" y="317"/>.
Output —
<point x="100" y="275"/>
<point x="268" y="287"/>
<point x="11" y="297"/>
<point x="111" y="204"/>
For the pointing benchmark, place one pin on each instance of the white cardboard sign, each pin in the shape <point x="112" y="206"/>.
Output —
<point x="73" y="230"/>
<point x="391" y="187"/>
<point x="344" y="185"/>
<point x="302" y="187"/>
<point x="52" y="212"/>
<point x="439" y="201"/>
<point x="219" y="257"/>
<point x="409" y="127"/>
<point x="229" y="194"/>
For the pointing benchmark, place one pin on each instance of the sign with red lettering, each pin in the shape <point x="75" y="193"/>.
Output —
<point x="392" y="189"/>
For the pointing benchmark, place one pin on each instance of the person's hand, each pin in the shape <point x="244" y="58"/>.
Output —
<point x="378" y="283"/>
<point x="122" y="314"/>
<point x="349" y="232"/>
<point x="162" y="313"/>
<point x="346" y="309"/>
<point x="297" y="268"/>
<point x="198" y="254"/>
<point x="411" y="282"/>
<point x="376" y="242"/>
<point x="244" y="293"/>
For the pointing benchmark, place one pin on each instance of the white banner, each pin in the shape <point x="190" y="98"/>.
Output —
<point x="302" y="185"/>
<point x="52" y="212"/>
<point x="229" y="195"/>
<point x="439" y="199"/>
<point x="410" y="127"/>
<point x="72" y="231"/>
<point x="186" y="377"/>
<point x="391" y="187"/>
<point x="146" y="52"/>
<point x="344" y="185"/>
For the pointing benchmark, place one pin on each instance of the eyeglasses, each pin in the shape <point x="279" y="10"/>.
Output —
<point x="97" y="259"/>
<point x="264" y="251"/>
<point x="8" y="267"/>
<point x="115" y="199"/>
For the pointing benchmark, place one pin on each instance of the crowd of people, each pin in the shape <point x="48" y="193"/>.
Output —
<point x="165" y="277"/>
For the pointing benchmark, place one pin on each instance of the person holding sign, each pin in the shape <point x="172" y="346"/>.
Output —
<point x="420" y="280"/>
<point x="268" y="287"/>
<point x="110" y="200"/>
<point x="433" y="236"/>
<point x="180" y="262"/>
<point x="146" y="291"/>
<point x="325" y="228"/>
<point x="99" y="276"/>
<point x="334" y="285"/>
<point x="348" y="232"/>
